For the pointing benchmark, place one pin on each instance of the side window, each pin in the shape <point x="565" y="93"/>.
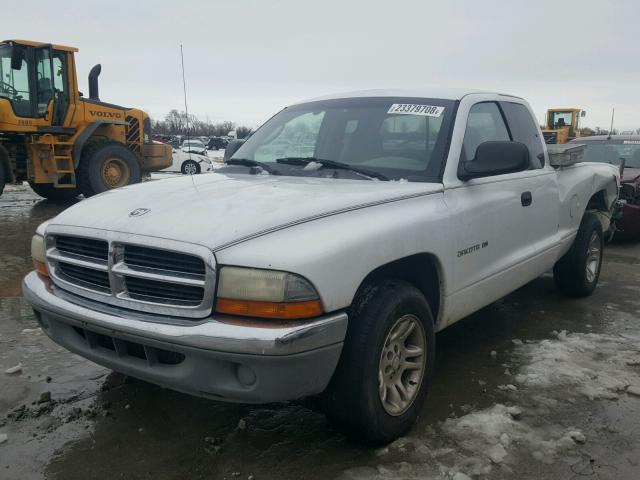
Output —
<point x="524" y="130"/>
<point x="59" y="73"/>
<point x="485" y="123"/>
<point x="44" y="79"/>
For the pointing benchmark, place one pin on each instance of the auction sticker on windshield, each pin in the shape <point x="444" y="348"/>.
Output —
<point x="415" y="109"/>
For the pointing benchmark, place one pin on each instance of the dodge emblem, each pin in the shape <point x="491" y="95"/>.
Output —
<point x="139" y="212"/>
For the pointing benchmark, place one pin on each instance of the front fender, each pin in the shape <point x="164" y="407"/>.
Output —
<point x="337" y="252"/>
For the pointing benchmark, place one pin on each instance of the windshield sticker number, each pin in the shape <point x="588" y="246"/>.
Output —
<point x="415" y="109"/>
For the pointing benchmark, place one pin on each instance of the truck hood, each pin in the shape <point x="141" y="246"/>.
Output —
<point x="218" y="210"/>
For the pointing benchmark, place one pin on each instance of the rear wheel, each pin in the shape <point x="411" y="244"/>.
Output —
<point x="47" y="190"/>
<point x="576" y="273"/>
<point x="386" y="365"/>
<point x="107" y="165"/>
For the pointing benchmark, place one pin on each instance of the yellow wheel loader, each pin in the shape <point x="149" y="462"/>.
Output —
<point x="60" y="142"/>
<point x="563" y="124"/>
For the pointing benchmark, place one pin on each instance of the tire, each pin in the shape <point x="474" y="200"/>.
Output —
<point x="47" y="190"/>
<point x="354" y="398"/>
<point x="3" y="177"/>
<point x="576" y="273"/>
<point x="106" y="165"/>
<point x="190" y="167"/>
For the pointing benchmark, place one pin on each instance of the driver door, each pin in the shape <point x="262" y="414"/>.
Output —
<point x="489" y="220"/>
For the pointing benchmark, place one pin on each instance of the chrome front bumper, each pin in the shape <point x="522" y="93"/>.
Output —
<point x="226" y="358"/>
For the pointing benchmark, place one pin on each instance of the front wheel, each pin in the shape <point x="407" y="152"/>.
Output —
<point x="576" y="273"/>
<point x="106" y="165"/>
<point x="386" y="365"/>
<point x="190" y="167"/>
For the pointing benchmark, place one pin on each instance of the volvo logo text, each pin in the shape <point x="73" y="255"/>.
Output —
<point x="98" y="113"/>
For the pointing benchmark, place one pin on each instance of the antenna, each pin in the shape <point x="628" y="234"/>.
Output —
<point x="613" y="112"/>
<point x="184" y="89"/>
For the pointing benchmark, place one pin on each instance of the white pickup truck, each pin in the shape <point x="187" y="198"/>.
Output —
<point x="326" y="253"/>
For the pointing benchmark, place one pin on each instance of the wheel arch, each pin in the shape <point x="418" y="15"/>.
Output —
<point x="601" y="204"/>
<point x="598" y="201"/>
<point x="422" y="270"/>
<point x="84" y="138"/>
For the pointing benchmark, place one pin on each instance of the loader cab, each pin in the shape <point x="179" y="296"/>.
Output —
<point x="35" y="80"/>
<point x="565" y="118"/>
<point x="563" y="124"/>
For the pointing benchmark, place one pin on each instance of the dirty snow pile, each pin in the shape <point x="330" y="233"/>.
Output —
<point x="501" y="437"/>
<point x="596" y="365"/>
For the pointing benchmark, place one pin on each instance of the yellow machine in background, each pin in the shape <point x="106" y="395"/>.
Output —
<point x="58" y="141"/>
<point x="563" y="124"/>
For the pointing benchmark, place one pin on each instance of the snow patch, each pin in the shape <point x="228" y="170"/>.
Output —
<point x="14" y="369"/>
<point x="312" y="166"/>
<point x="491" y="432"/>
<point x="594" y="364"/>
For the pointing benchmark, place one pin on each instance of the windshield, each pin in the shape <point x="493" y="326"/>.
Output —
<point x="561" y="119"/>
<point x="396" y="138"/>
<point x="613" y="153"/>
<point x="14" y="83"/>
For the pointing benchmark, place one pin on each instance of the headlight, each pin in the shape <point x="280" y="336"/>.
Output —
<point x="266" y="293"/>
<point x="38" y="254"/>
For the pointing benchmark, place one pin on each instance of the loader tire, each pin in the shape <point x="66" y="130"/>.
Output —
<point x="106" y="165"/>
<point x="576" y="273"/>
<point x="47" y="190"/>
<point x="3" y="177"/>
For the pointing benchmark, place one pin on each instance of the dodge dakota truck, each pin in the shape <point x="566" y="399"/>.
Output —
<point x="325" y="254"/>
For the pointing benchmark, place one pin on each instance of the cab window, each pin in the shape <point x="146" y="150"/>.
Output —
<point x="485" y="123"/>
<point x="59" y="73"/>
<point x="14" y="83"/>
<point x="44" y="80"/>
<point x="524" y="130"/>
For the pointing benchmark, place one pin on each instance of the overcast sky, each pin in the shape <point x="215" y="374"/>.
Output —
<point x="245" y="59"/>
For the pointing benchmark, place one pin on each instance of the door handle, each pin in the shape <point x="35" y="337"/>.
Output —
<point x="526" y="199"/>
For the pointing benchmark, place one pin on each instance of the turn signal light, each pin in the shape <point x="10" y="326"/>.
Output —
<point x="41" y="268"/>
<point x="276" y="310"/>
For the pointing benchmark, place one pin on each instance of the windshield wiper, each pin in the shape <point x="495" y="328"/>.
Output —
<point x="252" y="163"/>
<point x="332" y="164"/>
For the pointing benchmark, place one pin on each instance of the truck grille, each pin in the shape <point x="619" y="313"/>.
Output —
<point x="86" y="277"/>
<point x="163" y="260"/>
<point x="163" y="292"/>
<point x="85" y="247"/>
<point x="136" y="275"/>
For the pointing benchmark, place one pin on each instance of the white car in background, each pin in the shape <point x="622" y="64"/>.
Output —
<point x="194" y="146"/>
<point x="193" y="165"/>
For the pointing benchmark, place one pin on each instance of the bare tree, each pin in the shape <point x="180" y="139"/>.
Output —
<point x="175" y="123"/>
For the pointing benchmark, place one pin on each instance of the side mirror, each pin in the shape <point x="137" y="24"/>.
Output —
<point x="232" y="147"/>
<point x="17" y="56"/>
<point x="495" y="158"/>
